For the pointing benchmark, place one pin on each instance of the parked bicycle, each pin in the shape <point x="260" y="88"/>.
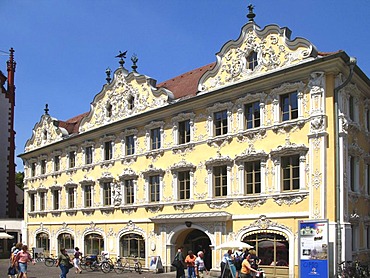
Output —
<point x="122" y="265"/>
<point x="50" y="261"/>
<point x="349" y="269"/>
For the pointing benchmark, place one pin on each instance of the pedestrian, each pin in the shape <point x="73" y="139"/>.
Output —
<point x="246" y="270"/>
<point x="76" y="260"/>
<point x="200" y="267"/>
<point x="64" y="262"/>
<point x="180" y="273"/>
<point x="225" y="269"/>
<point x="254" y="261"/>
<point x="13" y="248"/>
<point x="190" y="263"/>
<point x="13" y="263"/>
<point x="22" y="258"/>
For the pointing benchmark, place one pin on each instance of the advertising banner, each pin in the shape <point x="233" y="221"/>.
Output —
<point x="313" y="248"/>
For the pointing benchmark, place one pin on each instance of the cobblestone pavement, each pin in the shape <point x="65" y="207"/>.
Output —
<point x="39" y="270"/>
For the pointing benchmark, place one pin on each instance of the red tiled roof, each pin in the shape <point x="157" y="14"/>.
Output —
<point x="73" y="124"/>
<point x="186" y="84"/>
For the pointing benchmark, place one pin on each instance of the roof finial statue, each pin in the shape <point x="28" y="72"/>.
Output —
<point x="121" y="55"/>
<point x="46" y="109"/>
<point x="134" y="60"/>
<point x="251" y="15"/>
<point x="107" y="72"/>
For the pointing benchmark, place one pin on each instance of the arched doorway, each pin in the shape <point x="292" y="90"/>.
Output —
<point x="43" y="242"/>
<point x="132" y="245"/>
<point x="66" y="241"/>
<point x="196" y="240"/>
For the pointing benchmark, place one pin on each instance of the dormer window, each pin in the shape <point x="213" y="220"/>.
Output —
<point x="131" y="102"/>
<point x="109" y="110"/>
<point x="252" y="61"/>
<point x="45" y="135"/>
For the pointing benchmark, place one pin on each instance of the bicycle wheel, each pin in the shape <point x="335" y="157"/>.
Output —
<point x="105" y="267"/>
<point x="138" y="267"/>
<point x="118" y="268"/>
<point x="49" y="262"/>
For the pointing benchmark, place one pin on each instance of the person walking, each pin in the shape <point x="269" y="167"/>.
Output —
<point x="200" y="267"/>
<point x="76" y="260"/>
<point x="63" y="262"/>
<point x="190" y="263"/>
<point x="180" y="273"/>
<point x="22" y="258"/>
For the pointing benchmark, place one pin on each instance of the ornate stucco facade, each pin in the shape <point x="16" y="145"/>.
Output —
<point x="240" y="149"/>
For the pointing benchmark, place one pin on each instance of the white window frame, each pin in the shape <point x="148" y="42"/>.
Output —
<point x="53" y="190"/>
<point x="123" y="136"/>
<point x="148" y="128"/>
<point x="74" y="187"/>
<point x="182" y="167"/>
<point x="175" y="126"/>
<point x="84" y="146"/>
<point x="217" y="107"/>
<point x="107" y="138"/>
<point x="285" y="89"/>
<point x="71" y="149"/>
<point x="356" y="172"/>
<point x="215" y="162"/>
<point x="242" y="102"/>
<point x="39" y="193"/>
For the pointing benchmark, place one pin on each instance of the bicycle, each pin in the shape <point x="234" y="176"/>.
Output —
<point x="39" y="257"/>
<point x="119" y="267"/>
<point x="50" y="261"/>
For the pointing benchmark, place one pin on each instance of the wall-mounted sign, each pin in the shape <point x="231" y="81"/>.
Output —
<point x="313" y="248"/>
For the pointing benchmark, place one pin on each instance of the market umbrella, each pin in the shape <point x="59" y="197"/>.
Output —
<point x="4" y="235"/>
<point x="270" y="244"/>
<point x="234" y="244"/>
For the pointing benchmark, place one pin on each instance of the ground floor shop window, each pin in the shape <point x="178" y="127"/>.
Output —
<point x="43" y="241"/>
<point x="272" y="248"/>
<point x="66" y="241"/>
<point x="132" y="245"/>
<point x="94" y="244"/>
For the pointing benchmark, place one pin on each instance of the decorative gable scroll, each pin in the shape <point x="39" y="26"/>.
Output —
<point x="256" y="52"/>
<point x="45" y="132"/>
<point x="128" y="94"/>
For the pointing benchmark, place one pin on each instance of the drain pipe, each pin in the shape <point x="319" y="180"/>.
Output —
<point x="352" y="63"/>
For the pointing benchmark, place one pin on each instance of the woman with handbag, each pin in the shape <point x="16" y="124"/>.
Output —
<point x="64" y="263"/>
<point x="21" y="259"/>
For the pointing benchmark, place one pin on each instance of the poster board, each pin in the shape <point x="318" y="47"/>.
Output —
<point x="313" y="248"/>
<point x="155" y="264"/>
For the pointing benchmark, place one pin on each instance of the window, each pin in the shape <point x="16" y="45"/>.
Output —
<point x="220" y="181"/>
<point x="184" y="132"/>
<point x="107" y="194"/>
<point x="351" y="112"/>
<point x="290" y="173"/>
<point x="56" y="199"/>
<point x="355" y="237"/>
<point x="252" y="177"/>
<point x="289" y="106"/>
<point x="33" y="169"/>
<point x="87" y="196"/>
<point x="56" y="163"/>
<point x="43" y="241"/>
<point x="130" y="145"/>
<point x="89" y="155"/>
<point x="43" y="167"/>
<point x="94" y="244"/>
<point x="220" y="123"/>
<point x="72" y="159"/>
<point x="271" y="248"/>
<point x="129" y="192"/>
<point x="155" y="138"/>
<point x="109" y="110"/>
<point x="352" y="173"/>
<point x="66" y="241"/>
<point x="71" y="197"/>
<point x="108" y="151"/>
<point x="252" y="115"/>
<point x="131" y="102"/>
<point x="42" y="197"/>
<point x="184" y="185"/>
<point x="252" y="61"/>
<point x="132" y="245"/>
<point x="154" y="189"/>
<point x="32" y="201"/>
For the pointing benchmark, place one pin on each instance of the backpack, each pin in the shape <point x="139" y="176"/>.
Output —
<point x="238" y="261"/>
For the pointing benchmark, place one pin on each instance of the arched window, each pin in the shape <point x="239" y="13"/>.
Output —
<point x="94" y="244"/>
<point x="252" y="61"/>
<point x="132" y="245"/>
<point x="131" y="102"/>
<point x="66" y="241"/>
<point x="272" y="248"/>
<point x="43" y="241"/>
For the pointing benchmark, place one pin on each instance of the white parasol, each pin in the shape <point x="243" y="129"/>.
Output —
<point x="234" y="244"/>
<point x="4" y="235"/>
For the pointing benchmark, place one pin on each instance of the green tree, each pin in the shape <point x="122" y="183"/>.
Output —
<point x="19" y="176"/>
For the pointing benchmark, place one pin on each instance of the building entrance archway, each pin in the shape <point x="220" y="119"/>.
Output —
<point x="196" y="240"/>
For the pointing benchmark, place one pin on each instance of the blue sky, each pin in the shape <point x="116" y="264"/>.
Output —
<point x="63" y="47"/>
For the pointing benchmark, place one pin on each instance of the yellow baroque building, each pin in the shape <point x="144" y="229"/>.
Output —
<point x="273" y="133"/>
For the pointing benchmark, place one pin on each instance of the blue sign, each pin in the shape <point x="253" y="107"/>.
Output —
<point x="313" y="248"/>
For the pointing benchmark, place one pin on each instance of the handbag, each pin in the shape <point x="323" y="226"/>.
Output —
<point x="70" y="265"/>
<point x="12" y="270"/>
<point x="176" y="263"/>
